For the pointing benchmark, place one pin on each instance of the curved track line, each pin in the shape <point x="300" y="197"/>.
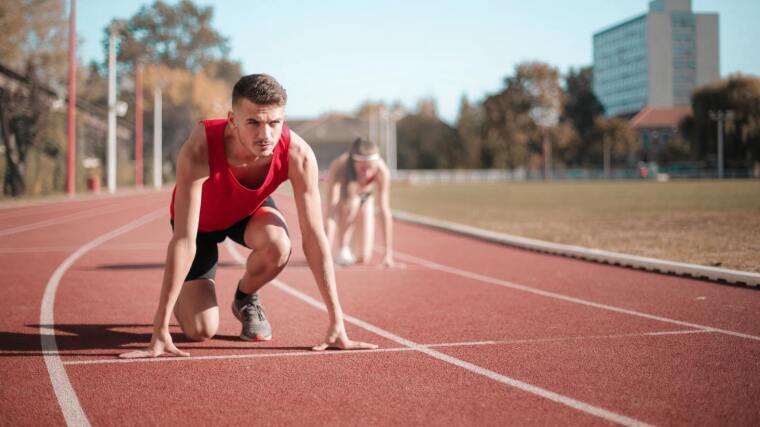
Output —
<point x="67" y="398"/>
<point x="530" y="388"/>
<point x="70" y="200"/>
<point x="59" y="220"/>
<point x="494" y="281"/>
<point x="51" y="209"/>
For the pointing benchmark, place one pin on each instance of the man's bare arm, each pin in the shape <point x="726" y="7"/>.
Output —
<point x="192" y="171"/>
<point x="303" y="174"/>
<point x="332" y="197"/>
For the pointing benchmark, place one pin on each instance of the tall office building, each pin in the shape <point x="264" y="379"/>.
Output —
<point x="656" y="59"/>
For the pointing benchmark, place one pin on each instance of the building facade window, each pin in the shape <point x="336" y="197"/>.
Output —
<point x="621" y="68"/>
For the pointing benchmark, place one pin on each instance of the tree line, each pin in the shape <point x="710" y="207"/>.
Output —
<point x="175" y="46"/>
<point x="538" y="110"/>
<point x="509" y="129"/>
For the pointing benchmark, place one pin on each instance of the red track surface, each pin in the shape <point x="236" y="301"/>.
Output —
<point x="470" y="333"/>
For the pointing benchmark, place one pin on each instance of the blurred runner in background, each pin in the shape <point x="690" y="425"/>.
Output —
<point x="354" y="180"/>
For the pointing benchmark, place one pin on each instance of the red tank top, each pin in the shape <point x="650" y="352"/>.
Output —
<point x="225" y="200"/>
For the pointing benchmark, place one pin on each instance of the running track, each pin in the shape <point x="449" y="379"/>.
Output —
<point x="470" y="333"/>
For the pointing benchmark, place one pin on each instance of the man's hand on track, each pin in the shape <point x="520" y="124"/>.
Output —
<point x="160" y="343"/>
<point x="337" y="338"/>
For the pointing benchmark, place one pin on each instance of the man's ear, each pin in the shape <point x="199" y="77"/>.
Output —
<point x="231" y="119"/>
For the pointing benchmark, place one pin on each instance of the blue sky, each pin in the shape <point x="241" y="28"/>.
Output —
<point x="332" y="55"/>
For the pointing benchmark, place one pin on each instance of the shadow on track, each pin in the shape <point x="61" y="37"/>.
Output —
<point x="149" y="266"/>
<point x="117" y="338"/>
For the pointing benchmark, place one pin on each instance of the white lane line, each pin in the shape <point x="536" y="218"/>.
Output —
<point x="48" y="210"/>
<point x="65" y="200"/>
<point x="234" y="356"/>
<point x="512" y="285"/>
<point x="131" y="247"/>
<point x="60" y="220"/>
<point x="67" y="398"/>
<point x="576" y="338"/>
<point x="380" y="350"/>
<point x="360" y="268"/>
<point x="530" y="388"/>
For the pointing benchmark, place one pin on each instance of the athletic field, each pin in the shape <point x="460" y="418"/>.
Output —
<point x="470" y="333"/>
<point x="703" y="222"/>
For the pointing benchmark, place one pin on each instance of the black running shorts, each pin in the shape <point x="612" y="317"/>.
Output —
<point x="207" y="246"/>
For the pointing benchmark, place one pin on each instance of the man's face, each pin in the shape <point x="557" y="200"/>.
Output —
<point x="258" y="127"/>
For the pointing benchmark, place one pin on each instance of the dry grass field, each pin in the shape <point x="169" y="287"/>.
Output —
<point x="715" y="223"/>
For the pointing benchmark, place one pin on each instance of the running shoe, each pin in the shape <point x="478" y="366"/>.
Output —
<point x="251" y="314"/>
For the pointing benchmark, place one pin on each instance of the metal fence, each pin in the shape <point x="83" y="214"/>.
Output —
<point x="651" y="171"/>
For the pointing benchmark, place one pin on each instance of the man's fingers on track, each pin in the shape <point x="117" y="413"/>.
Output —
<point x="358" y="345"/>
<point x="177" y="352"/>
<point x="139" y="354"/>
<point x="353" y="345"/>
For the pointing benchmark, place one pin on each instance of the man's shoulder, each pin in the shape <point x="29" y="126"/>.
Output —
<point x="301" y="158"/>
<point x="196" y="142"/>
<point x="299" y="149"/>
<point x="194" y="154"/>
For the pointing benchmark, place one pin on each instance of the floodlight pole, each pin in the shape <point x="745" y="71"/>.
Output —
<point x="547" y="151"/>
<point x="393" y="156"/>
<point x="157" y="137"/>
<point x="71" y="154"/>
<point x="372" y="126"/>
<point x="607" y="157"/>
<point x="138" y="125"/>
<point x="720" y="116"/>
<point x="111" y="145"/>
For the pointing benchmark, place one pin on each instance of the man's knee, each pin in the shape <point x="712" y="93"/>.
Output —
<point x="278" y="252"/>
<point x="275" y="252"/>
<point x="201" y="333"/>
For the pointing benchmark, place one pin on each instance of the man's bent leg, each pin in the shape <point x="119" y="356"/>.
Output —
<point x="196" y="309"/>
<point x="267" y="236"/>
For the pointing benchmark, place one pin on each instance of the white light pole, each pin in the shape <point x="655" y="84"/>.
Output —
<point x="385" y="127"/>
<point x="720" y="116"/>
<point x="394" y="116"/>
<point x="607" y="157"/>
<point x="373" y="126"/>
<point x="392" y="163"/>
<point x="157" y="137"/>
<point x="111" y="143"/>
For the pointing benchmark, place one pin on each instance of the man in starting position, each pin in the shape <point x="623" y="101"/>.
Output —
<point x="226" y="172"/>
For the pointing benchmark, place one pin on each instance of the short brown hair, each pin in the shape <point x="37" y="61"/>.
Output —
<point x="260" y="89"/>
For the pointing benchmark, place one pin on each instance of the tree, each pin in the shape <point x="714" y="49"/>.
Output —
<point x="566" y="144"/>
<point x="624" y="145"/>
<point x="187" y="97"/>
<point x="33" y="38"/>
<point x="22" y="118"/>
<point x="183" y="53"/>
<point x="35" y="31"/>
<point x="425" y="142"/>
<point x="177" y="36"/>
<point x="470" y="127"/>
<point x="740" y="94"/>
<point x="532" y="99"/>
<point x="580" y="110"/>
